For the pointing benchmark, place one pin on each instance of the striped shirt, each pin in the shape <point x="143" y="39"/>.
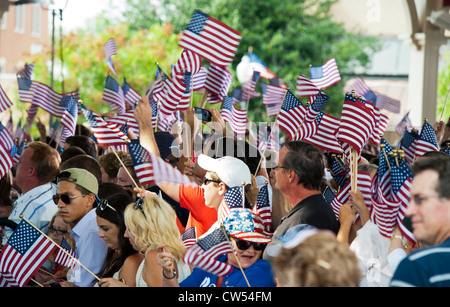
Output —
<point x="428" y="267"/>
<point x="35" y="205"/>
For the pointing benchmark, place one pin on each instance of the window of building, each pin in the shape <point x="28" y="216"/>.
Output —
<point x="19" y="22"/>
<point x="36" y="20"/>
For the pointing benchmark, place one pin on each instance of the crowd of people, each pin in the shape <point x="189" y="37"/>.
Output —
<point x="126" y="235"/>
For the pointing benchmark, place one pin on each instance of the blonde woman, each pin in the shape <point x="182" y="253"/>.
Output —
<point x="150" y="222"/>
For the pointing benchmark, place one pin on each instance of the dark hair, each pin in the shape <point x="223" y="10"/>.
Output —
<point x="112" y="262"/>
<point x="84" y="142"/>
<point x="71" y="152"/>
<point x="85" y="162"/>
<point x="306" y="161"/>
<point x="440" y="164"/>
<point x="107" y="188"/>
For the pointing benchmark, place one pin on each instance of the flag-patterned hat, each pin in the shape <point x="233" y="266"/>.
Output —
<point x="244" y="224"/>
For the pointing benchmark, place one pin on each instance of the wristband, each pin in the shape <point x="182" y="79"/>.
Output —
<point x="396" y="237"/>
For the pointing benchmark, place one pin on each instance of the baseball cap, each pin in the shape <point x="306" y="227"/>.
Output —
<point x="231" y="171"/>
<point x="80" y="177"/>
<point x="243" y="224"/>
<point x="167" y="145"/>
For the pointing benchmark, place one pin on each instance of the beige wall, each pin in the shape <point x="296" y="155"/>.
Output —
<point x="15" y="46"/>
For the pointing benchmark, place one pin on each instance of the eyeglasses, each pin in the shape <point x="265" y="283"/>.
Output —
<point x="58" y="231"/>
<point x="207" y="180"/>
<point x="138" y="205"/>
<point x="418" y="199"/>
<point x="66" y="198"/>
<point x="280" y="166"/>
<point x="104" y="204"/>
<point x="244" y="245"/>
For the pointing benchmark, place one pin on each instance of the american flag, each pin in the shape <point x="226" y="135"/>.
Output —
<point x="211" y="39"/>
<point x="218" y="82"/>
<point x="110" y="49"/>
<point x="26" y="71"/>
<point x="262" y="208"/>
<point x="405" y="123"/>
<point x="178" y="92"/>
<point x="5" y="103"/>
<point x="248" y="88"/>
<point x="273" y="109"/>
<point x="131" y="95"/>
<point x="408" y="144"/>
<point x="328" y="195"/>
<point x="236" y="118"/>
<point x="106" y="134"/>
<point x="200" y="79"/>
<point x="125" y="118"/>
<point x="233" y="198"/>
<point x="339" y="171"/>
<point x="69" y="119"/>
<point x="401" y="178"/>
<point x="388" y="103"/>
<point x="380" y="123"/>
<point x="65" y="256"/>
<point x="326" y="75"/>
<point x="305" y="88"/>
<point x="292" y="114"/>
<point x="272" y="94"/>
<point x="24" y="253"/>
<point x="364" y="184"/>
<point x="25" y="89"/>
<point x="162" y="84"/>
<point x="379" y="100"/>
<point x="6" y="144"/>
<point x="203" y="254"/>
<point x="113" y="95"/>
<point x="356" y="125"/>
<point x="189" y="237"/>
<point x="256" y="64"/>
<point x="151" y="169"/>
<point x="325" y="136"/>
<point x="427" y="140"/>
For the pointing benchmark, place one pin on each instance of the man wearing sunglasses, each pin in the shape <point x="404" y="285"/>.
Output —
<point x="75" y="197"/>
<point x="429" y="210"/>
<point x="37" y="167"/>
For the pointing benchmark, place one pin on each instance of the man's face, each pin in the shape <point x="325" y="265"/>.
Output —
<point x="78" y="206"/>
<point x="279" y="174"/>
<point x="23" y="167"/>
<point x="430" y="215"/>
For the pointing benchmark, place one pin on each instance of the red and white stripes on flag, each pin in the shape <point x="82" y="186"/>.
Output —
<point x="24" y="253"/>
<point x="177" y="94"/>
<point x="211" y="39"/>
<point x="356" y="125"/>
<point x="204" y="253"/>
<point x="6" y="144"/>
<point x="326" y="75"/>
<point x="272" y="94"/>
<point x="106" y="134"/>
<point x="151" y="169"/>
<point x="217" y="83"/>
<point x="236" y="118"/>
<point x="110" y="49"/>
<point x="5" y="103"/>
<point x="305" y="87"/>
<point x="325" y="137"/>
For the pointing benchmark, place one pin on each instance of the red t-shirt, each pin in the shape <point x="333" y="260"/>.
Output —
<point x="200" y="216"/>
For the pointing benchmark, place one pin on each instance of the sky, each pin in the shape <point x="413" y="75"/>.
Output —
<point x="77" y="12"/>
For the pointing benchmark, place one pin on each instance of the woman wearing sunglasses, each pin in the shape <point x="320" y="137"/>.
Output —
<point x="122" y="261"/>
<point x="247" y="235"/>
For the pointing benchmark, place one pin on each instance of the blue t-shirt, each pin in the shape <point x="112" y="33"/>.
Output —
<point x="429" y="267"/>
<point x="258" y="275"/>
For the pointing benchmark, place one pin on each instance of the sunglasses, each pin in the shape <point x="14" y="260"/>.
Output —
<point x="65" y="198"/>
<point x="244" y="245"/>
<point x="207" y="180"/>
<point x="138" y="205"/>
<point x="104" y="204"/>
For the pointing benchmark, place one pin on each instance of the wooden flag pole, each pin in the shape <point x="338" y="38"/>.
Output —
<point x="124" y="167"/>
<point x="57" y="245"/>
<point x="354" y="169"/>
